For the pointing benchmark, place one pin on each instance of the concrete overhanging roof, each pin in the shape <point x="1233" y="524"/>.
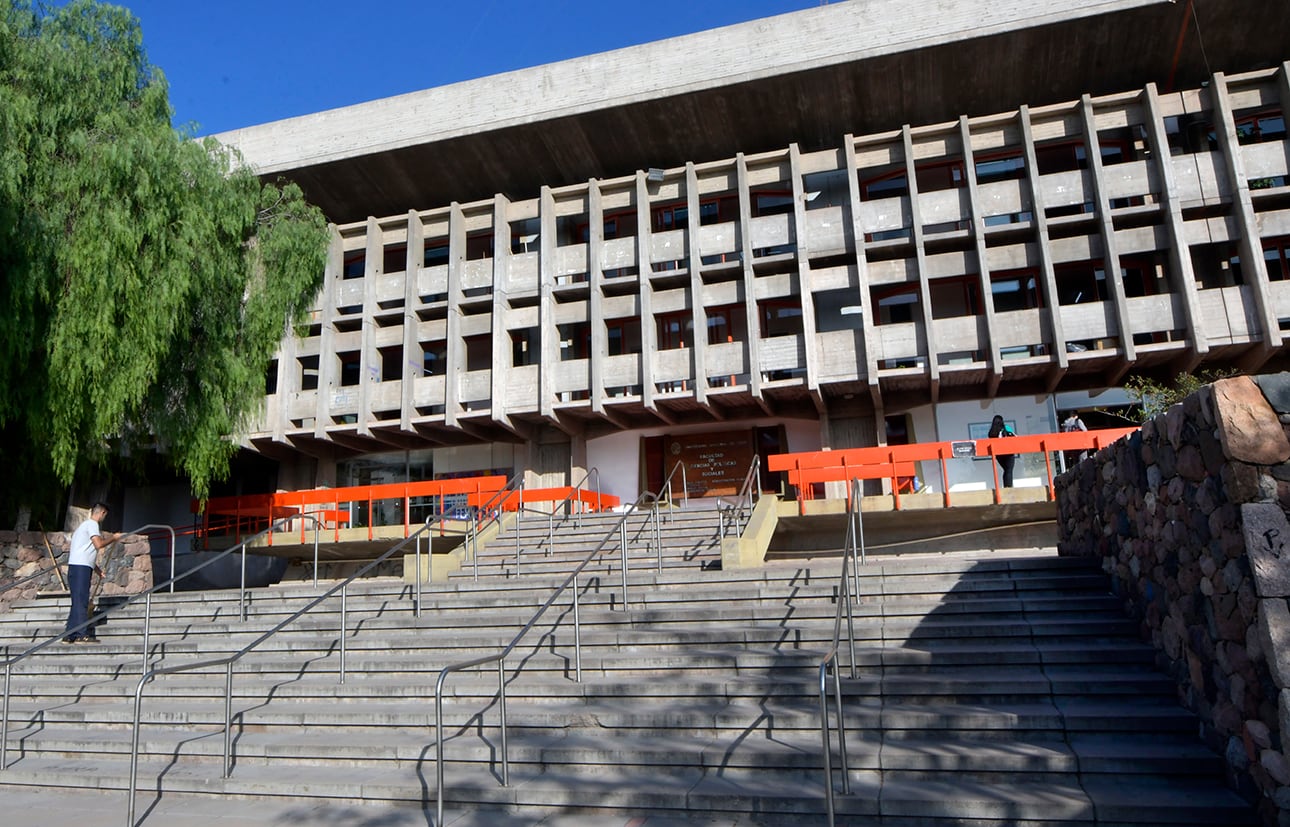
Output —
<point x="808" y="77"/>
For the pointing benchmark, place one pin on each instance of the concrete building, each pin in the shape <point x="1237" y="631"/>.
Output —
<point x="873" y="220"/>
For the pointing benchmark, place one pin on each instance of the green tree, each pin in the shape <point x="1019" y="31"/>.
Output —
<point x="146" y="278"/>
<point x="1154" y="398"/>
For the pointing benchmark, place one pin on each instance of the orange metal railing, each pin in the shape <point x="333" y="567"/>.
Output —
<point x="896" y="462"/>
<point x="588" y="499"/>
<point x="334" y="507"/>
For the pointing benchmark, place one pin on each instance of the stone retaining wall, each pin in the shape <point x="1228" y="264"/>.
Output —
<point x="1189" y="518"/>
<point x="127" y="565"/>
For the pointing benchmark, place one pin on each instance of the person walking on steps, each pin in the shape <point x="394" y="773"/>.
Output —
<point x="1006" y="461"/>
<point x="82" y="562"/>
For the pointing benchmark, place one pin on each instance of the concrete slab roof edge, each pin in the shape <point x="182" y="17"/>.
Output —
<point x="797" y="41"/>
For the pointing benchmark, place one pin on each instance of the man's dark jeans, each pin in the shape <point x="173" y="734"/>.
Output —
<point x="78" y="581"/>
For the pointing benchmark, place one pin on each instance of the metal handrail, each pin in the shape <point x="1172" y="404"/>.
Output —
<point x="95" y="618"/>
<point x="853" y="547"/>
<point x="666" y="490"/>
<point x="572" y="580"/>
<point x="15" y="584"/>
<point x="575" y="493"/>
<point x="229" y="660"/>
<point x="492" y="511"/>
<point x="749" y="493"/>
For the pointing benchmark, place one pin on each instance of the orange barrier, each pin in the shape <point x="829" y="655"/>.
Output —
<point x="590" y="500"/>
<point x="252" y="513"/>
<point x="896" y="462"/>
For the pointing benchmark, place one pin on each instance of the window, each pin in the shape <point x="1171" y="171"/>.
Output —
<point x="1276" y="255"/>
<point x="479" y="352"/>
<point x="939" y="175"/>
<point x="624" y="336"/>
<point x="1015" y="290"/>
<point x="434" y="358"/>
<point x="716" y="210"/>
<point x="1257" y="127"/>
<point x="780" y="317"/>
<point x="436" y="253"/>
<point x="1080" y="281"/>
<point x="1060" y="156"/>
<point x="271" y="378"/>
<point x="479" y="245"/>
<point x="524" y="347"/>
<point x="525" y="236"/>
<point x="772" y="202"/>
<point x="391" y="363"/>
<point x="725" y="324"/>
<point x="838" y="310"/>
<point x="1005" y="166"/>
<point x="953" y="297"/>
<point x="895" y="305"/>
<point x="351" y="363"/>
<point x="355" y="264"/>
<point x="308" y="372"/>
<point x="396" y="259"/>
<point x="675" y="330"/>
<point x="575" y="341"/>
<point x="886" y="185"/>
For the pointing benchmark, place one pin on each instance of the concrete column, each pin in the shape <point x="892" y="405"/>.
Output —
<point x="752" y="317"/>
<point x="413" y="364"/>
<point x="649" y="328"/>
<point x="500" y="404"/>
<point x="548" y="331"/>
<point x="1044" y="251"/>
<point x="865" y="360"/>
<point x="369" y="365"/>
<point x="1179" y="252"/>
<point x="596" y="300"/>
<point x="699" y="343"/>
<point x="810" y="339"/>
<point x="1253" y="269"/>
<point x="920" y="262"/>
<point x="327" y="334"/>
<point x="1110" y="250"/>
<point x="454" y="346"/>
<point x="977" y="224"/>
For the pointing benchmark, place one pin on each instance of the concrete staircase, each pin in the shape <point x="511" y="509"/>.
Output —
<point x="690" y="537"/>
<point x="994" y="691"/>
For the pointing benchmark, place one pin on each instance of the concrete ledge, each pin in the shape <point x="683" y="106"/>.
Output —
<point x="749" y="550"/>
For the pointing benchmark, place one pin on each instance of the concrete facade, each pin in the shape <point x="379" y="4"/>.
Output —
<point x="833" y="279"/>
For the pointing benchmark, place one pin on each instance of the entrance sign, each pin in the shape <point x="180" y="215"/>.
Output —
<point x="715" y="463"/>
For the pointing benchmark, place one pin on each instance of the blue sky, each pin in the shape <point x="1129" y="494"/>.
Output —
<point x="235" y="63"/>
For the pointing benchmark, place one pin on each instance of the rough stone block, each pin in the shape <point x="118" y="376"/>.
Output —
<point x="1274" y="640"/>
<point x="1247" y="425"/>
<point x="1267" y="541"/>
<point x="1276" y="390"/>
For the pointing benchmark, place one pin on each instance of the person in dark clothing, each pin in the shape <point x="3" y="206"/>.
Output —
<point x="1006" y="461"/>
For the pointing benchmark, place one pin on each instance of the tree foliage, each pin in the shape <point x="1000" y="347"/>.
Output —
<point x="146" y="278"/>
<point x="1153" y="398"/>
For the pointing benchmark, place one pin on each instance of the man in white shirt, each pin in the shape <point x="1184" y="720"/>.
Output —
<point x="82" y="562"/>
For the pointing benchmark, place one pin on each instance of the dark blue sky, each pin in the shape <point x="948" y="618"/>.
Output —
<point x="235" y="63"/>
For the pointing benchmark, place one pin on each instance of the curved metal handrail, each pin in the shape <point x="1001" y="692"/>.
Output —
<point x="575" y="492"/>
<point x="666" y="490"/>
<point x="572" y="580"/>
<point x="229" y="660"/>
<point x="737" y="512"/>
<point x="146" y="596"/>
<point x="854" y="546"/>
